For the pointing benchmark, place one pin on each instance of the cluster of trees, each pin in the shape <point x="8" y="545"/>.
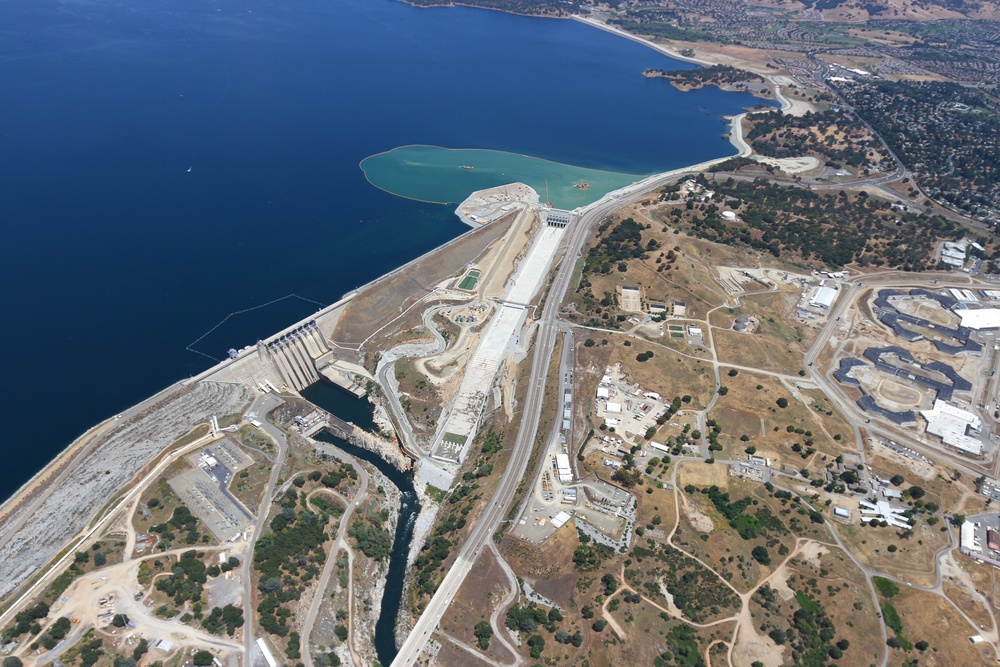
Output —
<point x="180" y="520"/>
<point x="832" y="229"/>
<point x="287" y="558"/>
<point x="696" y="590"/>
<point x="760" y="524"/>
<point x="589" y="555"/>
<point x="832" y="135"/>
<point x="187" y="579"/>
<point x="682" y="646"/>
<point x="227" y="618"/>
<point x="946" y="133"/>
<point x="713" y="75"/>
<point x="622" y="243"/>
<point x="374" y="540"/>
<point x="531" y="617"/>
<point x="483" y="633"/>
<point x="26" y="621"/>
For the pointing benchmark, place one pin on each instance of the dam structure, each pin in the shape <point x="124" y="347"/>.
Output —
<point x="295" y="354"/>
<point x="460" y="427"/>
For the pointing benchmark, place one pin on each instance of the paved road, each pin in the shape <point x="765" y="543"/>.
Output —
<point x="331" y="562"/>
<point x="97" y="525"/>
<point x="261" y="406"/>
<point x="548" y="329"/>
<point x="855" y="415"/>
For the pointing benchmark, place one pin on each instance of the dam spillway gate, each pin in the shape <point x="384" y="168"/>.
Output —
<point x="294" y="354"/>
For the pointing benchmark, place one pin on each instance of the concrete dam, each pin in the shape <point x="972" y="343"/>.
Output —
<point x="296" y="357"/>
<point x="295" y="354"/>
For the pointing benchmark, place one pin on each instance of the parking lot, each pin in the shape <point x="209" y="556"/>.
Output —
<point x="979" y="533"/>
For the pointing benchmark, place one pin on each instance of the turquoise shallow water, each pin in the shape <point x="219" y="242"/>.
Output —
<point x="166" y="163"/>
<point x="438" y="175"/>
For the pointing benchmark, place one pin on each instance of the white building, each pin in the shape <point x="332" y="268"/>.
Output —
<point x="963" y="295"/>
<point x="969" y="537"/>
<point x="883" y="511"/>
<point x="603" y="392"/>
<point x="952" y="424"/>
<point x="980" y="318"/>
<point x="613" y="408"/>
<point x="824" y="297"/>
<point x="563" y="469"/>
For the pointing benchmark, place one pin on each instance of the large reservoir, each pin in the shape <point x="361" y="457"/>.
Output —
<point x="167" y="163"/>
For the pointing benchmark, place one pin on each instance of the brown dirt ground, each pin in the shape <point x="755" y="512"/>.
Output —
<point x="960" y="596"/>
<point x="745" y="399"/>
<point x="647" y="636"/>
<point x="381" y="302"/>
<point x="667" y="374"/>
<point x="915" y="556"/>
<point x="453" y="656"/>
<point x="703" y="474"/>
<point x="724" y="549"/>
<point x="930" y="618"/>
<point x="548" y="565"/>
<point x="482" y="590"/>
<point x="659" y="503"/>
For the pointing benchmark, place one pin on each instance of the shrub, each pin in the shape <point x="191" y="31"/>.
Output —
<point x="886" y="587"/>
<point x="761" y="556"/>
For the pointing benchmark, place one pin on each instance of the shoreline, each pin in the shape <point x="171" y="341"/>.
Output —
<point x="668" y="51"/>
<point x="70" y="457"/>
<point x="73" y="456"/>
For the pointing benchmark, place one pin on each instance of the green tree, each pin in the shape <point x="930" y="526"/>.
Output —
<point x="782" y="402"/>
<point x="12" y="661"/>
<point x="203" y="658"/>
<point x="761" y="556"/>
<point x="483" y="633"/>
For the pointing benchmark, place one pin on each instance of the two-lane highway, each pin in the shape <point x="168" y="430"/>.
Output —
<point x="548" y="329"/>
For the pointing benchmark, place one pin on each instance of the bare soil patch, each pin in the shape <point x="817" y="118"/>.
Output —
<point x="483" y="589"/>
<point x="381" y="302"/>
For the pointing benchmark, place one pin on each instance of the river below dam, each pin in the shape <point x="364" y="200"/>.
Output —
<point x="184" y="185"/>
<point x="338" y="402"/>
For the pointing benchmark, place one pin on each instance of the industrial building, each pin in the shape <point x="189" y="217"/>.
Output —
<point x="883" y="511"/>
<point x="969" y="537"/>
<point x="979" y="319"/>
<point x="953" y="425"/>
<point x="954" y="253"/>
<point x="563" y="471"/>
<point x="824" y="297"/>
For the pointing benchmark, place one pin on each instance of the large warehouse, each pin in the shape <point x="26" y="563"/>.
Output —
<point x="979" y="318"/>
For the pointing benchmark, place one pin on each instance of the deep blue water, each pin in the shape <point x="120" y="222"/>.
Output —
<point x="116" y="256"/>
